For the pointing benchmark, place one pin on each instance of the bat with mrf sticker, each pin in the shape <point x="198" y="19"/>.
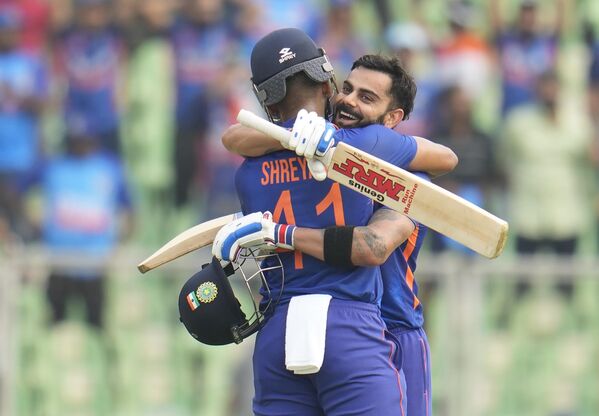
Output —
<point x="404" y="192"/>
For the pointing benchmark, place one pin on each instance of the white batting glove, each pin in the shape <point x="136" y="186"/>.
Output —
<point x="256" y="230"/>
<point x="318" y="169"/>
<point x="311" y="135"/>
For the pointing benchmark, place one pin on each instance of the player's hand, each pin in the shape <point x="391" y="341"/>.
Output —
<point x="311" y="135"/>
<point x="256" y="230"/>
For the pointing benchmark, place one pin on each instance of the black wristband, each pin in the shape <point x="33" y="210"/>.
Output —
<point x="337" y="246"/>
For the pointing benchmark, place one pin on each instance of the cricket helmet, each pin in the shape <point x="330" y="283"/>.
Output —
<point x="208" y="306"/>
<point x="281" y="54"/>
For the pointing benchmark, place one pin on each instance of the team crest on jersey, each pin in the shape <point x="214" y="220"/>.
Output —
<point x="286" y="54"/>
<point x="207" y="292"/>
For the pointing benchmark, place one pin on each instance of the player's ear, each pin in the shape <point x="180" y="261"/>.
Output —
<point x="327" y="89"/>
<point x="393" y="117"/>
<point x="274" y="112"/>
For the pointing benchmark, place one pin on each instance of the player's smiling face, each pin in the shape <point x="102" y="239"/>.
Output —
<point x="365" y="98"/>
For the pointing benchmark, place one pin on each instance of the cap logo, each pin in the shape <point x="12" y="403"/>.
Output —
<point x="286" y="54"/>
<point x="207" y="292"/>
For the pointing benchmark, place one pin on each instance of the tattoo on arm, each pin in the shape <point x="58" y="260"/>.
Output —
<point x="375" y="244"/>
<point x="366" y="241"/>
<point x="385" y="231"/>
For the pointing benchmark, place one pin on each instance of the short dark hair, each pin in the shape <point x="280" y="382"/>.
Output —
<point x="403" y="86"/>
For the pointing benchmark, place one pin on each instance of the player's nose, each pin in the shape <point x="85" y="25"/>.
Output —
<point x="350" y="99"/>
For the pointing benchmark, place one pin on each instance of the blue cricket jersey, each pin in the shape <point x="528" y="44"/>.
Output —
<point x="400" y="306"/>
<point x="22" y="76"/>
<point x="281" y="183"/>
<point x="83" y="197"/>
<point x="91" y="65"/>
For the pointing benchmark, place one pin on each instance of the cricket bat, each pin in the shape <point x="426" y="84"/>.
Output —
<point x="398" y="189"/>
<point x="189" y="240"/>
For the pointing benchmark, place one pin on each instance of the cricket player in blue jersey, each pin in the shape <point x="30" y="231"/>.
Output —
<point x="390" y="240"/>
<point x="356" y="376"/>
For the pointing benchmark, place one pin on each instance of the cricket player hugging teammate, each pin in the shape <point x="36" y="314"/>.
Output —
<point x="322" y="346"/>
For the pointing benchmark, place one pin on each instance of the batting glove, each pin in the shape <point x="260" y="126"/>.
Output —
<point x="311" y="135"/>
<point x="256" y="230"/>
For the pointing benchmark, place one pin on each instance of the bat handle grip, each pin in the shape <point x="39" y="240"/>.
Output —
<point x="249" y="119"/>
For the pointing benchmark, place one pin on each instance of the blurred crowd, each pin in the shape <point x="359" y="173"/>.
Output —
<point x="111" y="111"/>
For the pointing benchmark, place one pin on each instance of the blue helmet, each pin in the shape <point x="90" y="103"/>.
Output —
<point x="281" y="54"/>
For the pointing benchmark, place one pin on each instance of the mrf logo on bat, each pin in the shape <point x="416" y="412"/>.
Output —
<point x="368" y="181"/>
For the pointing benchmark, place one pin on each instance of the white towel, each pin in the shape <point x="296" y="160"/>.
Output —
<point x="305" y="333"/>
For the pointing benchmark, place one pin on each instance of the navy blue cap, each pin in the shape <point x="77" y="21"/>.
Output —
<point x="281" y="54"/>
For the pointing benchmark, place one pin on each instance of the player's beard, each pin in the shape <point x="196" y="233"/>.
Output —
<point x="359" y="121"/>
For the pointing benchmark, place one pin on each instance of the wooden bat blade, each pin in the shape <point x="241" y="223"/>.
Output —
<point x="419" y="199"/>
<point x="189" y="240"/>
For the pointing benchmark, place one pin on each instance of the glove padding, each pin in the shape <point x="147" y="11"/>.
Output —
<point x="311" y="135"/>
<point x="318" y="169"/>
<point x="256" y="230"/>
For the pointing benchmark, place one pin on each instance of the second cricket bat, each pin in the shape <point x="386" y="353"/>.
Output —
<point x="189" y="240"/>
<point x="405" y="192"/>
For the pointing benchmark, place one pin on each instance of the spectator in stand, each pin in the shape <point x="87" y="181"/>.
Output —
<point x="22" y="96"/>
<point x="593" y="105"/>
<point x="90" y="57"/>
<point x="35" y="24"/>
<point x="86" y="210"/>
<point x="464" y="57"/>
<point x="545" y="152"/>
<point x="302" y="14"/>
<point x="473" y="176"/>
<point x="410" y="42"/>
<point x="338" y="37"/>
<point x="148" y="122"/>
<point x="525" y="52"/>
<point x="203" y="42"/>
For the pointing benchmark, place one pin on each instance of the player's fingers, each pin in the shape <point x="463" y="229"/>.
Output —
<point x="314" y="140"/>
<point x="306" y="133"/>
<point x="300" y="122"/>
